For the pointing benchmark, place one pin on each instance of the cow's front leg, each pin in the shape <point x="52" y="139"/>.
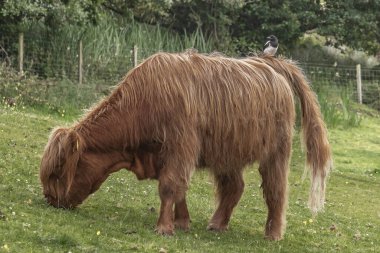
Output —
<point x="172" y="192"/>
<point x="173" y="179"/>
<point x="165" y="224"/>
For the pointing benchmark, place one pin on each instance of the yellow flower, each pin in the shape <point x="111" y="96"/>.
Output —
<point x="305" y="222"/>
<point x="98" y="233"/>
<point x="310" y="220"/>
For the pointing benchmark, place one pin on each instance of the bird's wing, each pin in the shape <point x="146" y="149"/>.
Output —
<point x="267" y="43"/>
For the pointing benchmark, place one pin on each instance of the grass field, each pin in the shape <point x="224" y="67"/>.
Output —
<point x="121" y="216"/>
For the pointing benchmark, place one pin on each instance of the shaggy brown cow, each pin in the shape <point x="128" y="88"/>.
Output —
<point x="176" y="112"/>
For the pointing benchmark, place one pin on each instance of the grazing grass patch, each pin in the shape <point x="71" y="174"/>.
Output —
<point x="120" y="217"/>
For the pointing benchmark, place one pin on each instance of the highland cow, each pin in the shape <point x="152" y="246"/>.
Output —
<point x="174" y="113"/>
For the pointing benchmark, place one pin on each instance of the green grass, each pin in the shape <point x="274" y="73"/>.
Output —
<point x="120" y="217"/>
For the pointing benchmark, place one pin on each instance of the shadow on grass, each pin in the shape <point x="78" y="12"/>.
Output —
<point x="133" y="222"/>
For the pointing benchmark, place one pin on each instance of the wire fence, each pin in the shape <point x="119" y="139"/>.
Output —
<point x="79" y="74"/>
<point x="360" y="84"/>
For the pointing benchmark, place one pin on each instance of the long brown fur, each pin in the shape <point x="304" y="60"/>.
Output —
<point x="314" y="129"/>
<point x="176" y="112"/>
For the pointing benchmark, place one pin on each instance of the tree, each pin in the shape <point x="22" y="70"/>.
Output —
<point x="212" y="18"/>
<point x="16" y="14"/>
<point x="244" y="24"/>
<point x="288" y="20"/>
<point x="144" y="11"/>
<point x="355" y="23"/>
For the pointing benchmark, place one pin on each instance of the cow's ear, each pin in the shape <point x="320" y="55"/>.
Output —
<point x="73" y="146"/>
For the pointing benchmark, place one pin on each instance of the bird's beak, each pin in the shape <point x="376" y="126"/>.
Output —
<point x="268" y="38"/>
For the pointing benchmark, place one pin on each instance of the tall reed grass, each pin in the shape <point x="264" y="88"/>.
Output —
<point x="51" y="61"/>
<point x="52" y="69"/>
<point x="337" y="107"/>
<point x="107" y="48"/>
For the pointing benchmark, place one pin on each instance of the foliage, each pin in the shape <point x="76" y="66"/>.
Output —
<point x="58" y="97"/>
<point x="143" y="11"/>
<point x="372" y="91"/>
<point x="353" y="23"/>
<point x="15" y="14"/>
<point x="213" y="18"/>
<point x="311" y="48"/>
<point x="337" y="109"/>
<point x="107" y="48"/>
<point x="236" y="25"/>
<point x="121" y="215"/>
<point x="259" y="19"/>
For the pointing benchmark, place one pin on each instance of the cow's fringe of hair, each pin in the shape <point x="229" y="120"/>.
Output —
<point x="60" y="159"/>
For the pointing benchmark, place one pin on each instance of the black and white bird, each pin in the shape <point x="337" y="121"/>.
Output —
<point x="271" y="46"/>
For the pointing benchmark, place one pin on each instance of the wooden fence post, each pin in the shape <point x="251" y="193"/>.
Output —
<point x="80" y="63"/>
<point x="135" y="55"/>
<point x="359" y="83"/>
<point x="21" y="53"/>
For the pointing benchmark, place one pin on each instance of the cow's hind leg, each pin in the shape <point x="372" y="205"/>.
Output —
<point x="181" y="215"/>
<point x="230" y="187"/>
<point x="274" y="173"/>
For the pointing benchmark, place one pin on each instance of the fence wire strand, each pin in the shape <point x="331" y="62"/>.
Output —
<point x="53" y="63"/>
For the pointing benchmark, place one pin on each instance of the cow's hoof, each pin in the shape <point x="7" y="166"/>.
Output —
<point x="183" y="224"/>
<point x="164" y="230"/>
<point x="217" y="228"/>
<point x="273" y="236"/>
